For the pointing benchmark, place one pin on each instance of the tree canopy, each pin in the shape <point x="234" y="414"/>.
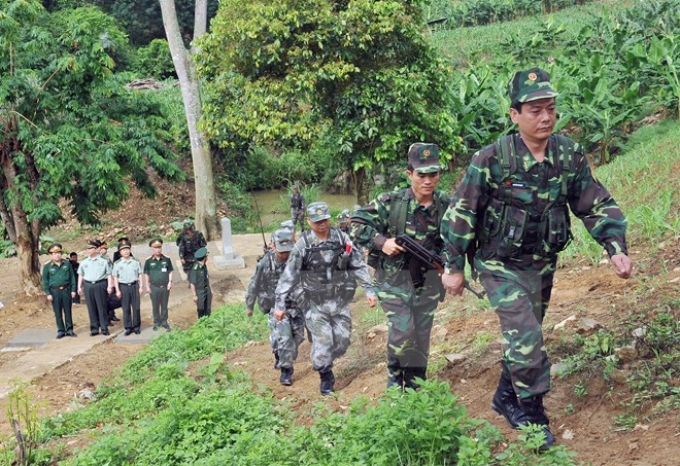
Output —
<point x="360" y="76"/>
<point x="71" y="131"/>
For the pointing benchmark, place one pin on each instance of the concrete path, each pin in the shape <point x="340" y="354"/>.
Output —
<point x="54" y="353"/>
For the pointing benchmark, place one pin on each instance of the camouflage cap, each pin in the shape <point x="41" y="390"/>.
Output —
<point x="201" y="253"/>
<point x="318" y="211"/>
<point x="283" y="240"/>
<point x="288" y="225"/>
<point x="344" y="214"/>
<point x="424" y="157"/>
<point x="188" y="225"/>
<point x="530" y="85"/>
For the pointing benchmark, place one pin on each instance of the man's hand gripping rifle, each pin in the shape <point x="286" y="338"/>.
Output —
<point x="420" y="253"/>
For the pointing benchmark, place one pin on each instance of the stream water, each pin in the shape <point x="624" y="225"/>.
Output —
<point x="274" y="205"/>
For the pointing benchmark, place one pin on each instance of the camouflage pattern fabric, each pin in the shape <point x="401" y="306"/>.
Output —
<point x="297" y="210"/>
<point x="326" y="309"/>
<point x="519" y="284"/>
<point x="286" y="335"/>
<point x="409" y="310"/>
<point x="263" y="282"/>
<point x="188" y="247"/>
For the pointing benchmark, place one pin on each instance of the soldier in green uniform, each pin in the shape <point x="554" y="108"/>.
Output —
<point x="59" y="285"/>
<point x="512" y="208"/>
<point x="158" y="275"/>
<point x="408" y="290"/>
<point x="200" y="283"/>
<point x="127" y="279"/>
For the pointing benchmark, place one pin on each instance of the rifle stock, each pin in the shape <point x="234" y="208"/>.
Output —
<point x="417" y="251"/>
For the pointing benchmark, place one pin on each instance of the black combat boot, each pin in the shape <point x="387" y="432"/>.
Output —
<point x="327" y="382"/>
<point x="505" y="401"/>
<point x="286" y="376"/>
<point x="410" y="375"/>
<point x="535" y="414"/>
<point x="395" y="374"/>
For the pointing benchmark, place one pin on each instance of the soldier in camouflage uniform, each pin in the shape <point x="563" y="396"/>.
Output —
<point x="512" y="207"/>
<point x="325" y="262"/>
<point x="343" y="221"/>
<point x="189" y="242"/>
<point x="287" y="333"/>
<point x="297" y="208"/>
<point x="409" y="291"/>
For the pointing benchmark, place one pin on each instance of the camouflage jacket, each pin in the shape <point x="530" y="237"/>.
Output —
<point x="263" y="283"/>
<point x="374" y="223"/>
<point x="475" y="213"/>
<point x="188" y="246"/>
<point x="297" y="202"/>
<point x="298" y="269"/>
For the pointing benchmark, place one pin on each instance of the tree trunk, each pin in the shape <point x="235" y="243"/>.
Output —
<point x="361" y="186"/>
<point x="206" y="200"/>
<point x="24" y="235"/>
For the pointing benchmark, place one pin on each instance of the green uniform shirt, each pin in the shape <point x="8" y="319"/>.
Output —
<point x="54" y="275"/>
<point x="158" y="270"/>
<point x="198" y="276"/>
<point x="127" y="271"/>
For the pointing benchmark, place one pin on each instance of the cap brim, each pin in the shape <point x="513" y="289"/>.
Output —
<point x="428" y="169"/>
<point x="283" y="248"/>
<point x="540" y="95"/>
<point x="319" y="218"/>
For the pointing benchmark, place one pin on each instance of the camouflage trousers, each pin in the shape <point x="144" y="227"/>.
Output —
<point x="410" y="314"/>
<point x="285" y="336"/>
<point x="298" y="216"/>
<point x="330" y="326"/>
<point x="520" y="297"/>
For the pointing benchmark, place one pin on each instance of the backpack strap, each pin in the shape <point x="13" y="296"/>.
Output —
<point x="507" y="153"/>
<point x="398" y="208"/>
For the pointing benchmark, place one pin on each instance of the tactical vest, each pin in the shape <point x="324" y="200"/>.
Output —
<point x="510" y="226"/>
<point x="399" y="201"/>
<point x="324" y="271"/>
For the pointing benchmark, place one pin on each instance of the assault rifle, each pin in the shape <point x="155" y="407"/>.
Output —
<point x="265" y="246"/>
<point x="426" y="257"/>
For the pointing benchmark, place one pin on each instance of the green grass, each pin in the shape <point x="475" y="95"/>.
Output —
<point x="468" y="47"/>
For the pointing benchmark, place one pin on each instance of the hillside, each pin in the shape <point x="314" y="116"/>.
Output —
<point x="601" y="408"/>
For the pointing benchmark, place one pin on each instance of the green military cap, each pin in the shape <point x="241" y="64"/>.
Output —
<point x="156" y="243"/>
<point x="424" y="157"/>
<point x="530" y="85"/>
<point x="318" y="211"/>
<point x="283" y="240"/>
<point x="188" y="226"/>
<point x="56" y="247"/>
<point x="123" y="245"/>
<point x="201" y="253"/>
<point x="93" y="244"/>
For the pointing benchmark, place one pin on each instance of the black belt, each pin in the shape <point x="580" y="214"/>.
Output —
<point x="128" y="284"/>
<point x="95" y="282"/>
<point x="60" y="287"/>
